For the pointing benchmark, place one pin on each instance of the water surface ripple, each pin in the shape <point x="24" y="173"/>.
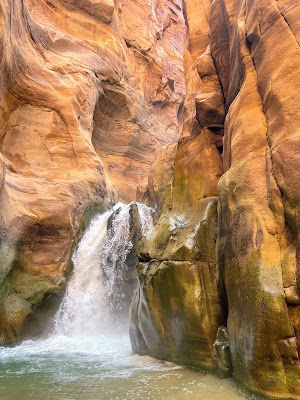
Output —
<point x="102" y="368"/>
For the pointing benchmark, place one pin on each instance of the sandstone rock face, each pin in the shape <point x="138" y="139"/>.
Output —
<point x="242" y="80"/>
<point x="86" y="100"/>
<point x="176" y="312"/>
<point x="258" y="201"/>
<point x="159" y="178"/>
<point x="94" y="94"/>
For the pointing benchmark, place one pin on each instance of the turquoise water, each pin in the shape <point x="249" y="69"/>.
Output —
<point x="102" y="368"/>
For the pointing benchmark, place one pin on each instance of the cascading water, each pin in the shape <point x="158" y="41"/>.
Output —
<point x="83" y="358"/>
<point x="94" y="295"/>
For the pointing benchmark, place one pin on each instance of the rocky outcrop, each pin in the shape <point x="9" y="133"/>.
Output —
<point x="242" y="74"/>
<point x="258" y="258"/>
<point x="159" y="178"/>
<point x="85" y="102"/>
<point x="177" y="310"/>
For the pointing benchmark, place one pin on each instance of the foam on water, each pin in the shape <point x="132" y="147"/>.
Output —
<point x="84" y="358"/>
<point x="103" y="368"/>
<point x="99" y="264"/>
<point x="109" y="354"/>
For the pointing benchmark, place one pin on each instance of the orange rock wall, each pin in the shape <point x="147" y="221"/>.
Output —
<point x="90" y="90"/>
<point x="242" y="78"/>
<point x="258" y="201"/>
<point x="94" y="97"/>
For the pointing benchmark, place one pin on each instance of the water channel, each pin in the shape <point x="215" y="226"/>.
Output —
<point x="87" y="356"/>
<point x="100" y="368"/>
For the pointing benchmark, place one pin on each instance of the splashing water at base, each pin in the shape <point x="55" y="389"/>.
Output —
<point x="67" y="368"/>
<point x="95" y="290"/>
<point x="84" y="359"/>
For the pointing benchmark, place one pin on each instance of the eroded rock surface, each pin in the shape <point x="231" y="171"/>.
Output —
<point x="176" y="312"/>
<point x="86" y="100"/>
<point x="93" y="97"/>
<point x="242" y="78"/>
<point x="258" y="203"/>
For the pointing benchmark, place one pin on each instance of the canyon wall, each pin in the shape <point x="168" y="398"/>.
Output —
<point x="90" y="90"/>
<point x="219" y="273"/>
<point x="94" y="97"/>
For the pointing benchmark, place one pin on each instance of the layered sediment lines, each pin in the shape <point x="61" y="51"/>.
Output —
<point x="242" y="78"/>
<point x="90" y="90"/>
<point x="94" y="96"/>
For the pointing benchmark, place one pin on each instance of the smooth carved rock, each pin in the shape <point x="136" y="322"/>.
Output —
<point x="257" y="259"/>
<point x="85" y="102"/>
<point x="100" y="9"/>
<point x="176" y="312"/>
<point x="255" y="50"/>
<point x="222" y="353"/>
<point x="159" y="179"/>
<point x="210" y="111"/>
<point x="14" y="313"/>
<point x="292" y="295"/>
<point x="92" y="93"/>
<point x="178" y="233"/>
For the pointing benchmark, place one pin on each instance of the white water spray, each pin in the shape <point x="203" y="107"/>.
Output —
<point x="83" y="361"/>
<point x="94" y="291"/>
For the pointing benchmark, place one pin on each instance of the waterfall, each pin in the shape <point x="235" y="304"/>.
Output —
<point x="84" y="358"/>
<point x="95" y="293"/>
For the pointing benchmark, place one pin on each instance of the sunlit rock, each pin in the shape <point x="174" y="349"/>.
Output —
<point x="177" y="310"/>
<point x="192" y="107"/>
<point x="86" y="100"/>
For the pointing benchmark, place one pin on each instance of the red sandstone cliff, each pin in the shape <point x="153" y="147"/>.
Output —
<point x="90" y="90"/>
<point x="94" y="96"/>
<point x="242" y="78"/>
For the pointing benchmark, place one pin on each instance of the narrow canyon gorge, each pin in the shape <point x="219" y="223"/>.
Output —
<point x="190" y="107"/>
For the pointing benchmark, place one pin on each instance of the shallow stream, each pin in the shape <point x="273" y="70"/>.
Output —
<point x="83" y="359"/>
<point x="102" y="368"/>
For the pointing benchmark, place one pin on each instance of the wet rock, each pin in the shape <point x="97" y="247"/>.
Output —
<point x="87" y="103"/>
<point x="86" y="100"/>
<point x="175" y="313"/>
<point x="177" y="310"/>
<point x="292" y="295"/>
<point x="257" y="239"/>
<point x="126" y="281"/>
<point x="14" y="313"/>
<point x="230" y="65"/>
<point x="222" y="353"/>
